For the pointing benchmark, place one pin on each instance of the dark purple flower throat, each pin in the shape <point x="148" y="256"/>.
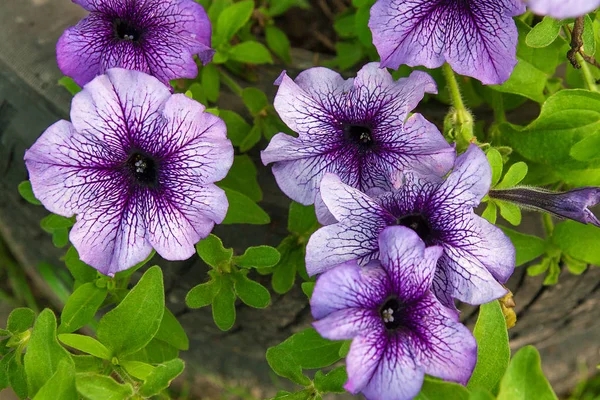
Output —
<point x="125" y="30"/>
<point x="143" y="168"/>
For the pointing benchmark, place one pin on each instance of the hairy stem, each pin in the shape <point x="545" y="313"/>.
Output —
<point x="453" y="89"/>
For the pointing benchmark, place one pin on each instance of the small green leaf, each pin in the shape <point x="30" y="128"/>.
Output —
<point x="544" y="33"/>
<point x="171" y="331"/>
<point x="133" y="323"/>
<point x="81" y="307"/>
<point x="258" y="257"/>
<point x="515" y="174"/>
<point x="333" y="382"/>
<point x="254" y="99"/>
<point x="198" y="93"/>
<point x="301" y="219"/>
<point x="100" y="387"/>
<point x="279" y="7"/>
<point x="223" y="305"/>
<point x="156" y="352"/>
<point x="18" y="378"/>
<point x="310" y="350"/>
<point x="61" y="385"/>
<point x="495" y="159"/>
<point x="578" y="240"/>
<point x="528" y="247"/>
<point x="26" y="192"/>
<point x="203" y="294"/>
<point x="160" y="378"/>
<point x="87" y="363"/>
<point x="251" y="139"/>
<point x="19" y="320"/>
<point x="60" y="237"/>
<point x="70" y="85"/>
<point x="491" y="212"/>
<point x="589" y="37"/>
<point x="250" y="292"/>
<point x="279" y="43"/>
<point x="211" y="82"/>
<point x="242" y="178"/>
<point x="237" y="127"/>
<point x="232" y="19"/>
<point x="540" y="268"/>
<point x="44" y="353"/>
<point x="587" y="148"/>
<point x="553" y="273"/>
<point x="242" y="210"/>
<point x="137" y="369"/>
<point x="212" y="251"/>
<point x="53" y="222"/>
<point x="80" y="270"/>
<point x="86" y="344"/>
<point x="292" y="261"/>
<point x="480" y="394"/>
<point x="440" y="390"/>
<point x="283" y="364"/>
<point x="524" y="379"/>
<point x="251" y="53"/>
<point x="509" y="212"/>
<point x="493" y="352"/>
<point x="308" y="288"/>
<point x="348" y="54"/>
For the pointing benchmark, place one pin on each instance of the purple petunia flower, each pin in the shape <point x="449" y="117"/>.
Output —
<point x="476" y="253"/>
<point x="571" y="205"/>
<point x="137" y="166"/>
<point x="159" y="37"/>
<point x="477" y="38"/>
<point x="355" y="128"/>
<point x="561" y="9"/>
<point x="400" y="331"/>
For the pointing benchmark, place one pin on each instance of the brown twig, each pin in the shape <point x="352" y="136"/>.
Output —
<point x="576" y="42"/>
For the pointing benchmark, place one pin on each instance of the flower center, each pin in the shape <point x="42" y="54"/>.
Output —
<point x="417" y="223"/>
<point x="143" y="168"/>
<point x="390" y="314"/>
<point x="124" y="30"/>
<point x="359" y="134"/>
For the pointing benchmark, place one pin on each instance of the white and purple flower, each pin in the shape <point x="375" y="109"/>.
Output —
<point x="477" y="255"/>
<point x="355" y="128"/>
<point x="159" y="37"/>
<point x="137" y="166"/>
<point x="399" y="330"/>
<point x="561" y="9"/>
<point x="478" y="38"/>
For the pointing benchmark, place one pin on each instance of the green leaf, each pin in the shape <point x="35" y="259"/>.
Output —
<point x="137" y="369"/>
<point x="493" y="352"/>
<point x="81" y="307"/>
<point x="540" y="268"/>
<point x="589" y="37"/>
<point x="509" y="212"/>
<point x="60" y="237"/>
<point x="491" y="212"/>
<point x="440" y="390"/>
<point x="237" y="127"/>
<point x="197" y="92"/>
<point x="17" y="377"/>
<point x="251" y="139"/>
<point x="242" y="210"/>
<point x="211" y="82"/>
<point x="44" y="353"/>
<point x="156" y="352"/>
<point x="203" y="294"/>
<point x="553" y="273"/>
<point x="524" y="379"/>
<point x="100" y="387"/>
<point x="578" y="241"/>
<point x="70" y="85"/>
<point x="586" y="149"/>
<point x="254" y="99"/>
<point x="160" y="378"/>
<point x="515" y="174"/>
<point x="308" y="288"/>
<point x="242" y="178"/>
<point x="251" y="53"/>
<point x="481" y="394"/>
<point x="543" y="33"/>
<point x="306" y="394"/>
<point x="301" y="219"/>
<point x="283" y="364"/>
<point x="53" y="222"/>
<point x="258" y="257"/>
<point x="333" y="382"/>
<point x="528" y="247"/>
<point x="50" y="274"/>
<point x="495" y="159"/>
<point x="26" y="192"/>
<point x="87" y="363"/>
<point x="292" y="260"/>
<point x="80" y="270"/>
<point x="310" y="350"/>
<point x="133" y="323"/>
<point x="279" y="43"/>
<point x="212" y="252"/>
<point x="61" y="385"/>
<point x="278" y="7"/>
<point x="250" y="292"/>
<point x="171" y="331"/>
<point x="19" y="320"/>
<point x="232" y="19"/>
<point x="223" y="305"/>
<point x="85" y="344"/>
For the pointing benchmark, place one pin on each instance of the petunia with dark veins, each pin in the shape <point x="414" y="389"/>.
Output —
<point x="561" y="9"/>
<point x="358" y="129"/>
<point x="137" y="166"/>
<point x="399" y="330"/>
<point x="477" y="256"/>
<point x="159" y="37"/>
<point x="478" y="38"/>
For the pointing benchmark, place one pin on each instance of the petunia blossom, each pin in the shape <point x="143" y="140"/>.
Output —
<point x="399" y="330"/>
<point x="477" y="38"/>
<point x="561" y="9"/>
<point x="159" y="37"/>
<point x="355" y="128"/>
<point x="137" y="166"/>
<point x="477" y="257"/>
<point x="571" y="205"/>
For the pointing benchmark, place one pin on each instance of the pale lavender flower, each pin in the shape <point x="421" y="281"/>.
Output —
<point x="355" y="128"/>
<point x="561" y="9"/>
<point x="571" y="205"/>
<point x="477" y="38"/>
<point x="159" y="37"/>
<point x="399" y="330"/>
<point x="137" y="166"/>
<point x="477" y="255"/>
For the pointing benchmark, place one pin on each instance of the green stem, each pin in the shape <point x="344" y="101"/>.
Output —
<point x="548" y="224"/>
<point x="498" y="106"/>
<point x="230" y="83"/>
<point x="587" y="74"/>
<point x="453" y="89"/>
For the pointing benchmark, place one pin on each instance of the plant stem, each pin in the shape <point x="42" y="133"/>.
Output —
<point x="590" y="82"/>
<point x="230" y="83"/>
<point x="498" y="106"/>
<point x="453" y="89"/>
<point x="548" y="224"/>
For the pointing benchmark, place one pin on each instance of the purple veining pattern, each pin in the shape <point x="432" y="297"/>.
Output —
<point x="399" y="330"/>
<point x="355" y="128"/>
<point x="158" y="37"/>
<point x="477" y="38"/>
<point x="477" y="255"/>
<point x="562" y="9"/>
<point x="137" y="167"/>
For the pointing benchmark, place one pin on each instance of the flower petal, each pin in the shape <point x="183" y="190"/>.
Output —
<point x="347" y="323"/>
<point x="409" y="264"/>
<point x="562" y="9"/>
<point x="493" y="249"/>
